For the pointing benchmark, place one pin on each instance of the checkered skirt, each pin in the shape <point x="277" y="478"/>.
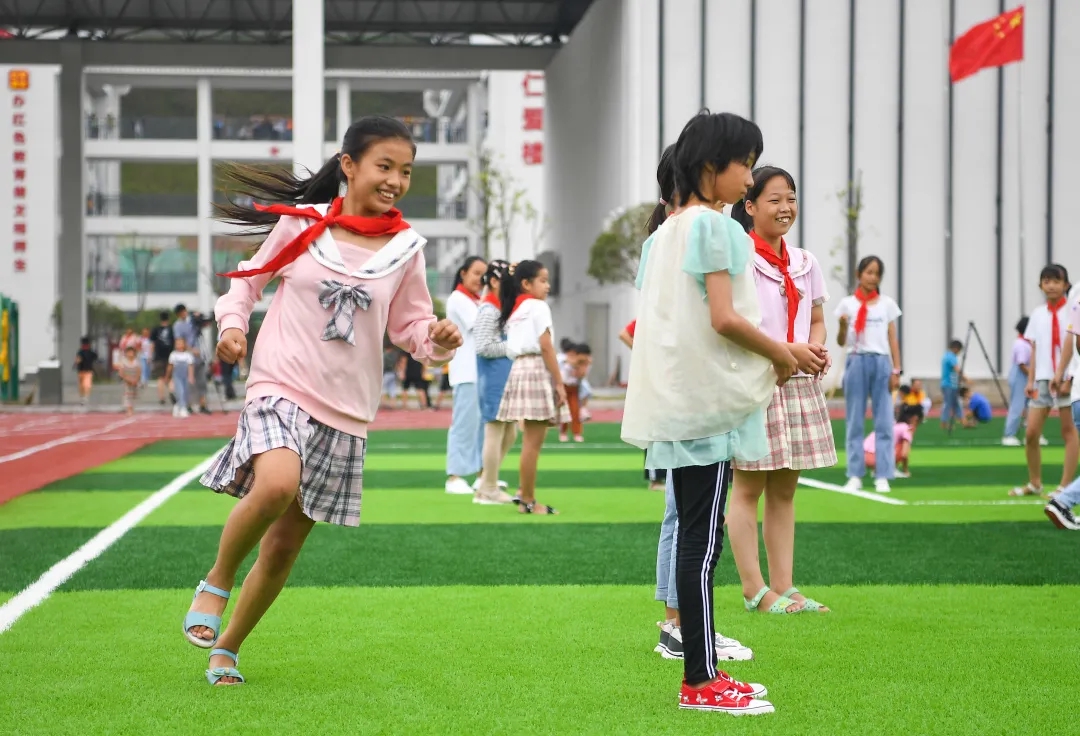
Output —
<point x="530" y="394"/>
<point x="798" y="427"/>
<point x="332" y="462"/>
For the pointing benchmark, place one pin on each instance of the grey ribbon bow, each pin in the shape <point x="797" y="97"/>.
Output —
<point x="344" y="300"/>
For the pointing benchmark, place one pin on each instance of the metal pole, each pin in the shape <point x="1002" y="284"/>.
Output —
<point x="1020" y="178"/>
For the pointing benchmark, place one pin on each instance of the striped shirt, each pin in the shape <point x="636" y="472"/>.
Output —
<point x="490" y="340"/>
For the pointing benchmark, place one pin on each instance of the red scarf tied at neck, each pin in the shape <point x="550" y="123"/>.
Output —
<point x="864" y="297"/>
<point x="492" y="298"/>
<point x="472" y="297"/>
<point x="1055" y="330"/>
<point x="521" y="300"/>
<point x="388" y="223"/>
<point x="781" y="263"/>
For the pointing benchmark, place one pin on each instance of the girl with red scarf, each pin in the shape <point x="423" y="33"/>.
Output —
<point x="534" y="392"/>
<point x="352" y="271"/>
<point x="791" y="292"/>
<point x="1047" y="332"/>
<point x="466" y="435"/>
<point x="872" y="371"/>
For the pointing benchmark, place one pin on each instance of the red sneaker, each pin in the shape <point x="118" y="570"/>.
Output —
<point x="753" y="689"/>
<point x="719" y="696"/>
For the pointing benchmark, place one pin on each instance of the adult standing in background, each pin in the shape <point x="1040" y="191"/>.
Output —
<point x="163" y="339"/>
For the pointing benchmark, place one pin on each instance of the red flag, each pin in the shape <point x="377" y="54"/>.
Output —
<point x="996" y="42"/>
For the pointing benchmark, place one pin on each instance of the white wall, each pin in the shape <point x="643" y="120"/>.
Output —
<point x="603" y="147"/>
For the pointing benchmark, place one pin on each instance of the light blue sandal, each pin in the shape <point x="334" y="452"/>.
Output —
<point x="215" y="674"/>
<point x="780" y="605"/>
<point x="192" y="619"/>
<point x="809" y="604"/>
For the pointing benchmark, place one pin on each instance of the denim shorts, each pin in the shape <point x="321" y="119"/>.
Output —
<point x="1046" y="401"/>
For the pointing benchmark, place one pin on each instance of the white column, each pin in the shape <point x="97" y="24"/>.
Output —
<point x="204" y="135"/>
<point x="308" y="74"/>
<point x="344" y="108"/>
<point x="474" y="140"/>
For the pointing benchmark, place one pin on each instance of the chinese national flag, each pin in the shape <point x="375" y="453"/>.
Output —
<point x="996" y="42"/>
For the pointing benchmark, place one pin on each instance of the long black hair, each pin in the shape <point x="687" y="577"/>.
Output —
<point x="282" y="186"/>
<point x="762" y="177"/>
<point x="665" y="177"/>
<point x="465" y="268"/>
<point x="510" y="289"/>
<point x="713" y="140"/>
<point x="497" y="270"/>
<point x="1055" y="271"/>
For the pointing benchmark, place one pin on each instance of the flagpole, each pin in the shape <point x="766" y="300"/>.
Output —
<point x="1020" y="178"/>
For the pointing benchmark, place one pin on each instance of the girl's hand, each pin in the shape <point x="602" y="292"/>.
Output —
<point x="446" y="335"/>
<point x="560" y="394"/>
<point x="811" y="358"/>
<point x="785" y="364"/>
<point x="1031" y="391"/>
<point x="894" y="382"/>
<point x="232" y="345"/>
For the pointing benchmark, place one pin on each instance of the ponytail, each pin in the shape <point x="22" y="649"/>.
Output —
<point x="665" y="177"/>
<point x="741" y="216"/>
<point x="279" y="185"/>
<point x="510" y="288"/>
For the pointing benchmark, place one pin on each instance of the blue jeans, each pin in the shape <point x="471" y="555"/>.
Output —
<point x="866" y="377"/>
<point x="1070" y="495"/>
<point x="465" y="440"/>
<point x="1018" y="401"/>
<point x="950" y="409"/>
<point x="666" y="549"/>
<point x="180" y="387"/>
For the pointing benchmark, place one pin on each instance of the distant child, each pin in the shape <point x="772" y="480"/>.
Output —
<point x="977" y="410"/>
<point x="701" y="375"/>
<point x="85" y="360"/>
<point x="903" y="436"/>
<point x="1060" y="508"/>
<point x="1046" y="331"/>
<point x="130" y="371"/>
<point x="951" y="409"/>
<point x="916" y="396"/>
<point x="1018" y="376"/>
<point x="181" y="372"/>
<point x="657" y="479"/>
<point x="574" y="368"/>
<point x="534" y="393"/>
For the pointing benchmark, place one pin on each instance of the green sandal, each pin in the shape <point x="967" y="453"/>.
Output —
<point x="215" y="674"/>
<point x="779" y="606"/>
<point x="808" y="603"/>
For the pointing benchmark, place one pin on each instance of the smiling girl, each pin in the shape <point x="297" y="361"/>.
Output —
<point x="352" y="269"/>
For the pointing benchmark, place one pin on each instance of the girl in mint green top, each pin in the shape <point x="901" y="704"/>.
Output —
<point x="701" y="375"/>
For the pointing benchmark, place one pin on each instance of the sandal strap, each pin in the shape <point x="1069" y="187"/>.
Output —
<point x="225" y="653"/>
<point x="753" y="603"/>
<point x="208" y="620"/>
<point x="205" y="587"/>
<point x="790" y="592"/>
<point x="214" y="675"/>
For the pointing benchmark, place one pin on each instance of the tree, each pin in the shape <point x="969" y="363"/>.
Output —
<point x="503" y="203"/>
<point x="141" y="260"/>
<point x="851" y="199"/>
<point x="614" y="255"/>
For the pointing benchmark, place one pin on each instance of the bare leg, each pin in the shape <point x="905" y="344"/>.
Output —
<point x="1072" y="444"/>
<point x="277" y="480"/>
<point x="743" y="534"/>
<point x="530" y="453"/>
<point x="778" y="528"/>
<point x="1036" y="421"/>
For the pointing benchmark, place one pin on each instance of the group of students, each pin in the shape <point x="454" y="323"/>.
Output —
<point x="505" y="374"/>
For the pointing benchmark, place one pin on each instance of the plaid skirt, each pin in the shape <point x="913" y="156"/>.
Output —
<point x="332" y="462"/>
<point x="530" y="394"/>
<point x="797" y="424"/>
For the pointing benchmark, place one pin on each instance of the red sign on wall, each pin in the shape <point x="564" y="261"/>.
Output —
<point x="18" y="82"/>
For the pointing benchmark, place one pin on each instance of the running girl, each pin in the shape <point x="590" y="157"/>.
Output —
<point x="791" y="291"/>
<point x="701" y="375"/>
<point x="352" y="269"/>
<point x="534" y="389"/>
<point x="872" y="372"/>
<point x="464" y="441"/>
<point x="492" y="371"/>
<point x="1046" y="331"/>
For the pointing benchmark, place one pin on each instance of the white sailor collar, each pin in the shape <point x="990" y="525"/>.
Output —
<point x="799" y="264"/>
<point x="384" y="262"/>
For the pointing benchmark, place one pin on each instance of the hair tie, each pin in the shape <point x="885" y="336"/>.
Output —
<point x="663" y="201"/>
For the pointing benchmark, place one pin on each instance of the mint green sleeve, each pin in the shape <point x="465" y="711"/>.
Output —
<point x="717" y="243"/>
<point x="645" y="248"/>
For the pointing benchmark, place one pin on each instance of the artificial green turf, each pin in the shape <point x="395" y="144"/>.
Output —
<point x="1015" y="553"/>
<point x="67" y="509"/>
<point x="557" y="659"/>
<point x="27" y="553"/>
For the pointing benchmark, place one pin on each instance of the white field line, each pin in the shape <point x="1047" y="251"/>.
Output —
<point x="878" y="497"/>
<point x="989" y="502"/>
<point x="68" y="439"/>
<point x="58" y="574"/>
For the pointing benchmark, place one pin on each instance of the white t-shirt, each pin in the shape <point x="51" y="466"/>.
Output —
<point x="875" y="338"/>
<point x="569" y="377"/>
<point x="181" y="362"/>
<point x="525" y="326"/>
<point x="461" y="310"/>
<point x="1039" y="332"/>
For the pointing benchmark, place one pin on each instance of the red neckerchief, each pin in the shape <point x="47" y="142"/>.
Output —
<point x="493" y="299"/>
<point x="781" y="262"/>
<point x="462" y="290"/>
<point x="864" y="301"/>
<point x="521" y="300"/>
<point x="1055" y="329"/>
<point x="388" y="223"/>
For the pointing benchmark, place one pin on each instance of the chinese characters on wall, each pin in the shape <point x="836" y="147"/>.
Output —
<point x="532" y="150"/>
<point x="18" y="84"/>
